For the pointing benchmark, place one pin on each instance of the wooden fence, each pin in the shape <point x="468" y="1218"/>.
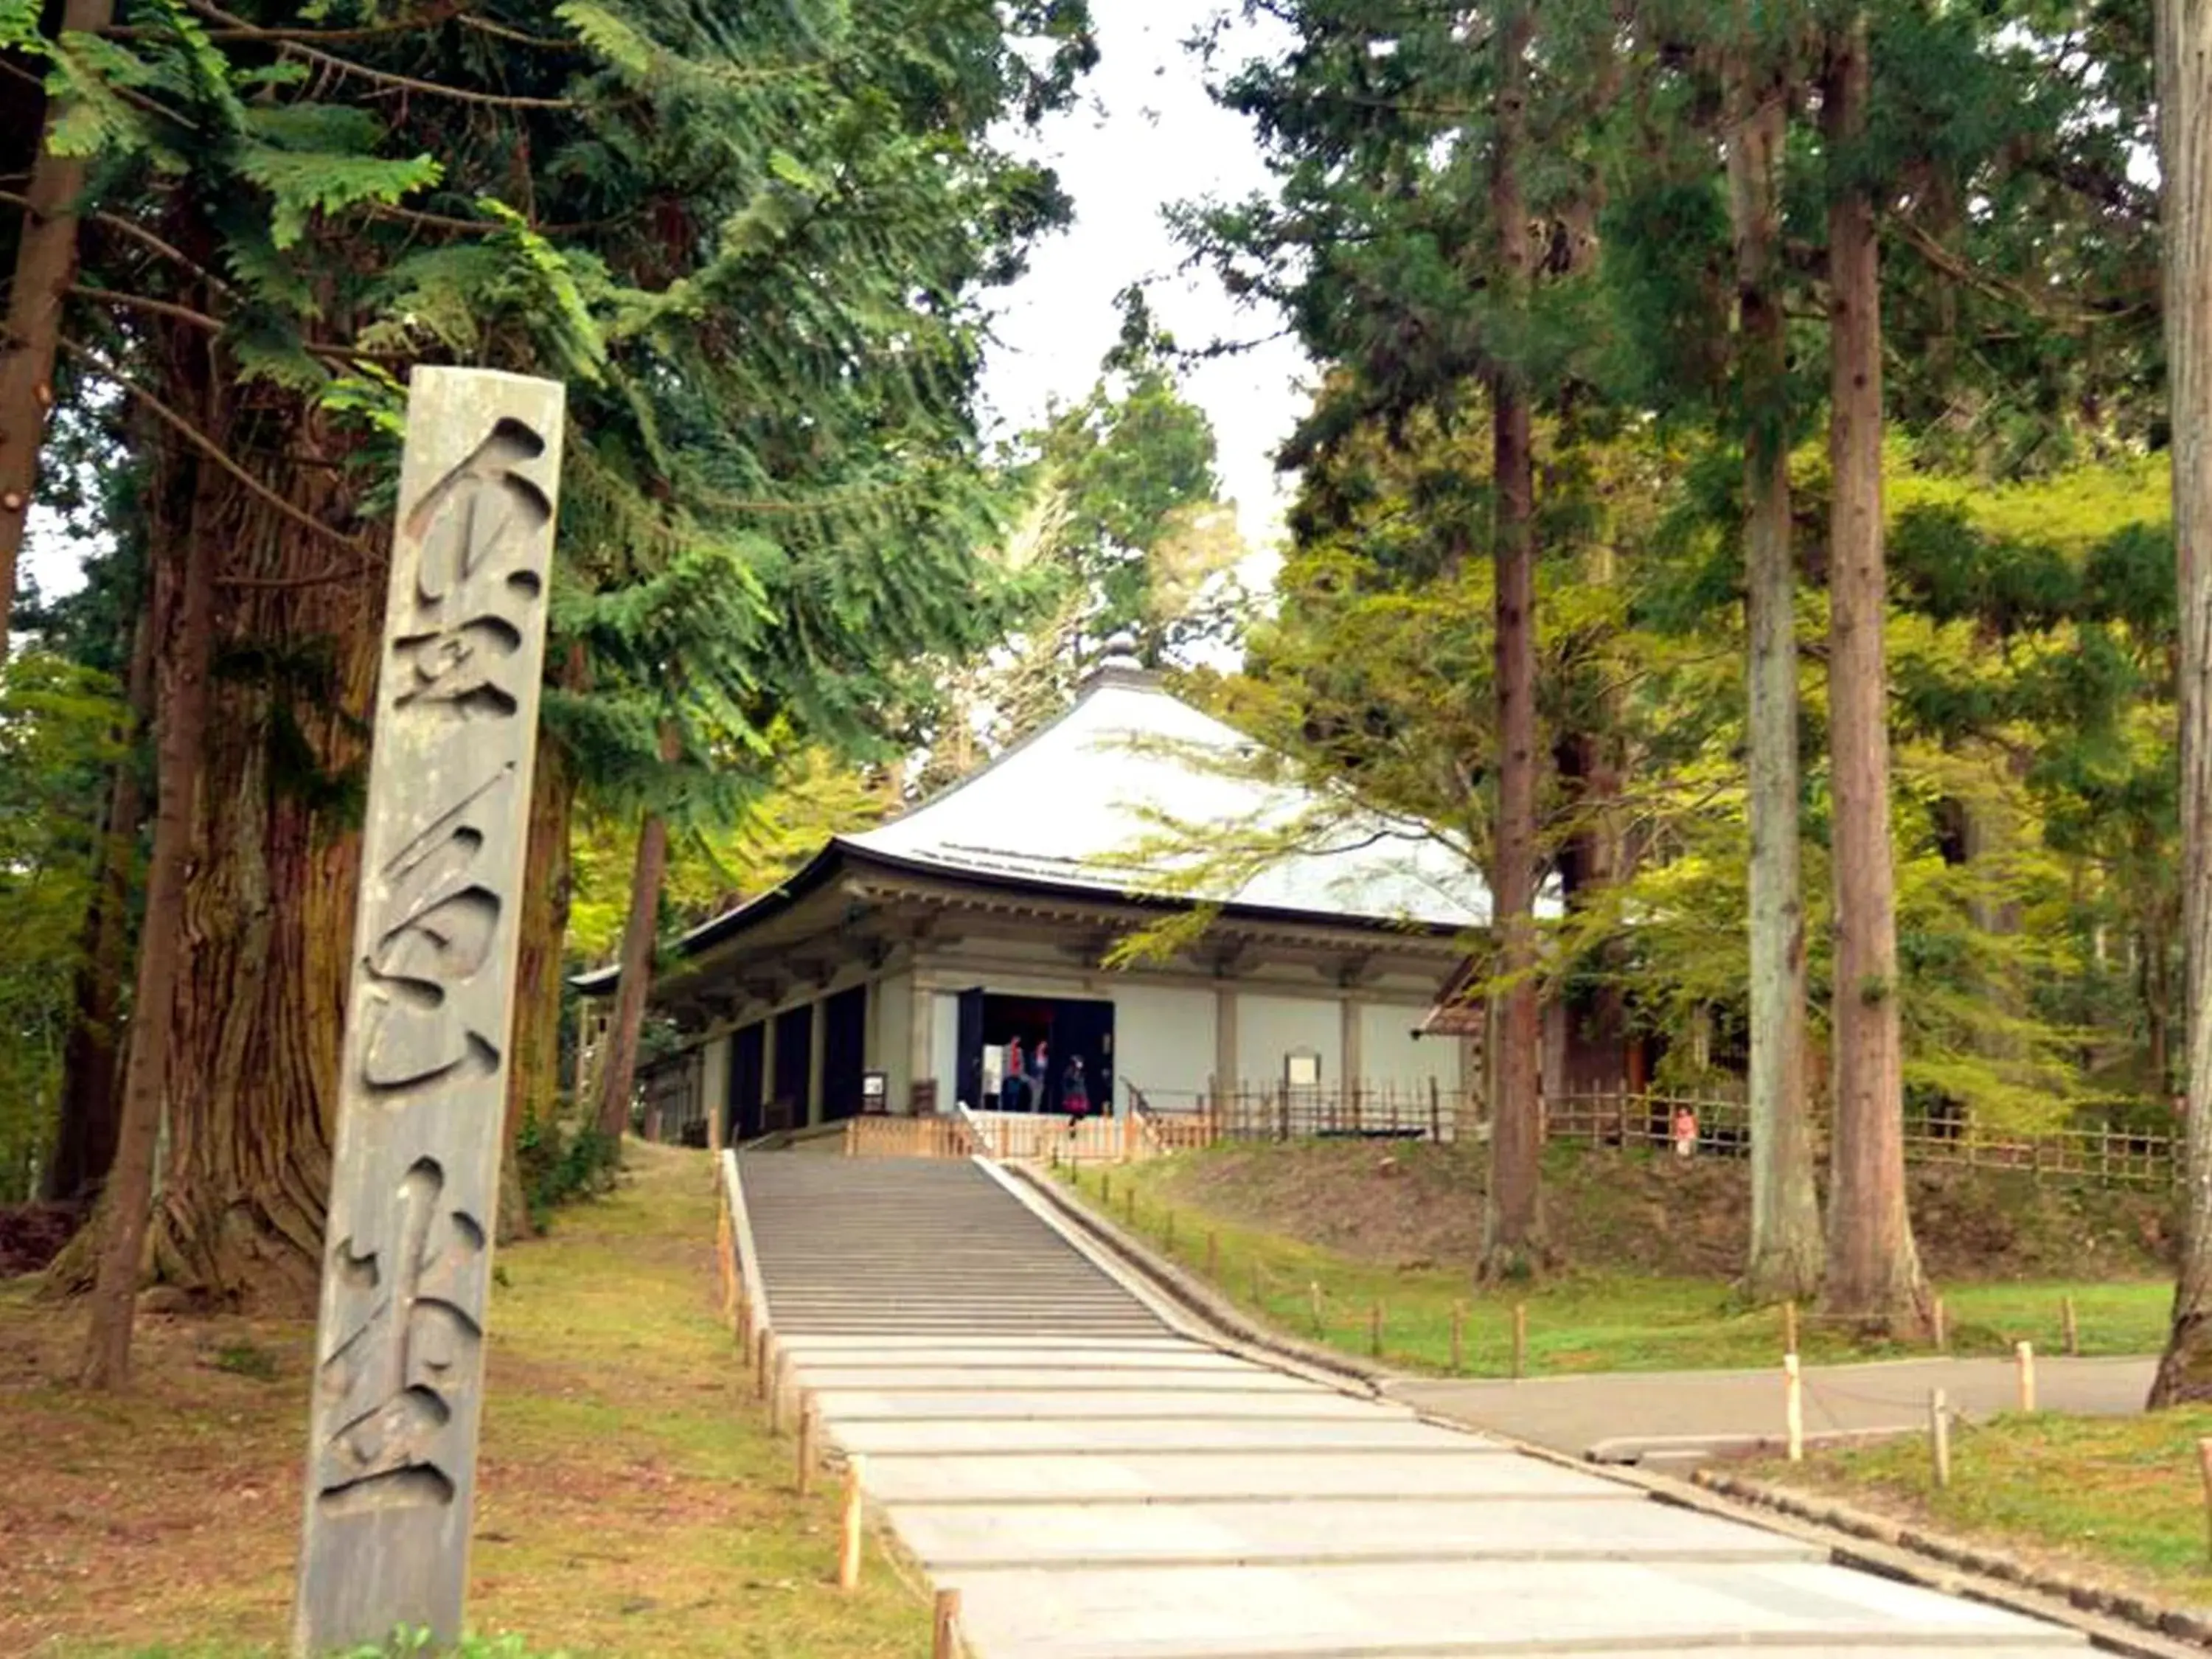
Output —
<point x="1382" y="1112"/>
<point x="2110" y="1157"/>
<point x="910" y="1137"/>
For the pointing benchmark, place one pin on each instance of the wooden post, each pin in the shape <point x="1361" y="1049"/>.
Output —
<point x="1793" y="1407"/>
<point x="1105" y="1189"/>
<point x="1458" y="1338"/>
<point x="1436" y="1113"/>
<point x="2023" y="1355"/>
<point x="2069" y="1333"/>
<point x="1212" y="1257"/>
<point x="1789" y="1328"/>
<point x="1129" y="1206"/>
<point x="1939" y="1436"/>
<point x="1375" y="1330"/>
<point x="809" y="1425"/>
<point x="1520" y="1341"/>
<point x="745" y="1325"/>
<point x="764" y="1360"/>
<point x="1313" y="1295"/>
<point x="1939" y="1327"/>
<point x="423" y="1076"/>
<point x="2204" y="1470"/>
<point x="849" y="1531"/>
<point x="945" y="1626"/>
<point x="776" y="1375"/>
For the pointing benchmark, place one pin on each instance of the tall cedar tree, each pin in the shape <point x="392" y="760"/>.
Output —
<point x="2185" y="101"/>
<point x="1873" y="1271"/>
<point x="1784" y="1258"/>
<point x="762" y="518"/>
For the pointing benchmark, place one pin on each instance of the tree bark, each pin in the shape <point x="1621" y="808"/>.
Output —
<point x="1514" y="1237"/>
<point x="533" y="1085"/>
<point x="639" y="933"/>
<point x="1784" y="1261"/>
<point x="91" y="1106"/>
<point x="2183" y="55"/>
<point x="186" y="649"/>
<point x="45" y="264"/>
<point x="1873" y="1271"/>
<point x="258" y="1028"/>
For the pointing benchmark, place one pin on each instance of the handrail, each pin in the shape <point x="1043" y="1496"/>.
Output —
<point x="733" y="1188"/>
<point x="976" y="1128"/>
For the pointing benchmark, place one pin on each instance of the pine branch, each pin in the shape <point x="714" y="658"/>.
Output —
<point x="346" y="66"/>
<point x="207" y="446"/>
<point x="485" y="26"/>
<point x="146" y="237"/>
<point x="445" y="11"/>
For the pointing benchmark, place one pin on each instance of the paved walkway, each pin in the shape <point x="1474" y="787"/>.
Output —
<point x="1647" y="1416"/>
<point x="1098" y="1485"/>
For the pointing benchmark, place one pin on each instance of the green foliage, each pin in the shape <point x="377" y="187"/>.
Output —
<point x="562" y="1159"/>
<point x="59" y="726"/>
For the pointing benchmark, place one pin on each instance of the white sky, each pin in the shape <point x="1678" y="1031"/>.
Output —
<point x="1144" y="134"/>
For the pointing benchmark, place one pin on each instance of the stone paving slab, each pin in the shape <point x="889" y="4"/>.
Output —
<point x="1168" y="1477"/>
<point x="1085" y="1378"/>
<point x="1089" y="1408"/>
<point x="1099" y="1486"/>
<point x="969" y="1343"/>
<point x="1330" y="1531"/>
<point x="1341" y="1435"/>
<point x="1575" y="1413"/>
<point x="1073" y="1612"/>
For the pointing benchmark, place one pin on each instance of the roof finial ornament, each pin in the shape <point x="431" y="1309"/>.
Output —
<point x="1118" y="664"/>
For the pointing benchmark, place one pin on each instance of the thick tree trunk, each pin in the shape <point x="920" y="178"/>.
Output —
<point x="1513" y="1233"/>
<point x="2183" y="55"/>
<point x="533" y="1086"/>
<point x="253" y="1101"/>
<point x="186" y="652"/>
<point x="1784" y="1261"/>
<point x="92" y="1101"/>
<point x="45" y="263"/>
<point x="639" y="933"/>
<point x="1873" y="1271"/>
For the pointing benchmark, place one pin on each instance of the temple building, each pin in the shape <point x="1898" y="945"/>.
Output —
<point x="899" y="969"/>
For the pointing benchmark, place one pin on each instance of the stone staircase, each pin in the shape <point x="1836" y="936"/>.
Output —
<point x="919" y="1247"/>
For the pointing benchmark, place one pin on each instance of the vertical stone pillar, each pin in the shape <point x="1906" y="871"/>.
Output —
<point x="399" y="1384"/>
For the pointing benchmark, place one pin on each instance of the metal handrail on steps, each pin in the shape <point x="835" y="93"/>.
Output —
<point x="976" y="1127"/>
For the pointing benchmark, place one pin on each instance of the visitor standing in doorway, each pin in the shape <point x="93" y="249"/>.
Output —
<point x="1016" y="1081"/>
<point x="1075" y="1094"/>
<point x="1038" y="1076"/>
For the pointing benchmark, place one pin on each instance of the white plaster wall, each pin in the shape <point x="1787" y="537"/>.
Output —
<point x="891" y="1035"/>
<point x="714" y="1085"/>
<point x="945" y="1047"/>
<point x="1391" y="1057"/>
<point x="1162" y="1043"/>
<point x="1269" y="1027"/>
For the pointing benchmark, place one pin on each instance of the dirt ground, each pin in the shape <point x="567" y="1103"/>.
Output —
<point x="1410" y="1206"/>
<point x="629" y="1501"/>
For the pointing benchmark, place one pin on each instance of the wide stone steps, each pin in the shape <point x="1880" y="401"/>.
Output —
<point x="919" y="1247"/>
<point x="1099" y="1486"/>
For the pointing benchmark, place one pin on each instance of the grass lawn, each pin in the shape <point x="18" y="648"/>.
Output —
<point x="630" y="1502"/>
<point x="2114" y="1499"/>
<point x="1576" y="1321"/>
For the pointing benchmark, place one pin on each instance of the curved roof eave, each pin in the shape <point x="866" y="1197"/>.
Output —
<point x="839" y="849"/>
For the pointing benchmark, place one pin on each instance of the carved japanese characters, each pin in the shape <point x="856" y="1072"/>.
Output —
<point x="399" y="1370"/>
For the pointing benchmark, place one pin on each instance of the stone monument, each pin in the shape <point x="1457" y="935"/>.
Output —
<point x="407" y="1253"/>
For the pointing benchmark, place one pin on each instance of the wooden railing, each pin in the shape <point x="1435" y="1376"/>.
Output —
<point x="2111" y="1157"/>
<point x="1385" y="1111"/>
<point x="910" y="1137"/>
